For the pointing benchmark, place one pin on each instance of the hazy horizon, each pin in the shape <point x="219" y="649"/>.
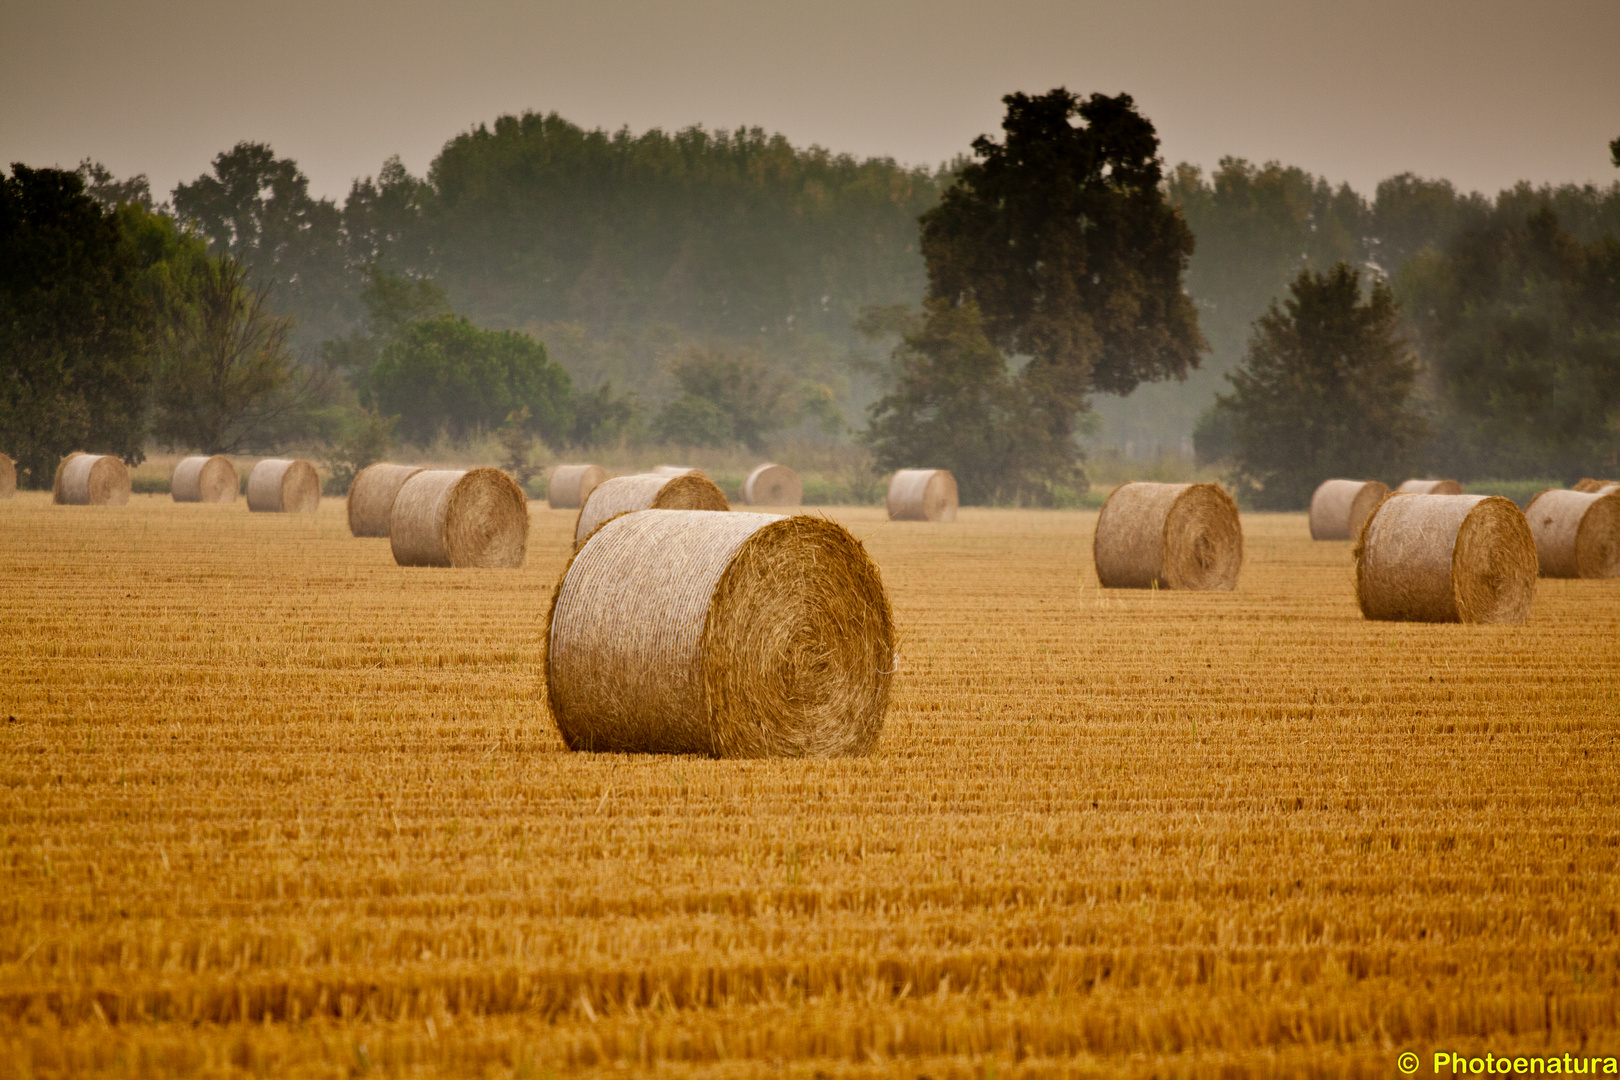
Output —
<point x="1480" y="94"/>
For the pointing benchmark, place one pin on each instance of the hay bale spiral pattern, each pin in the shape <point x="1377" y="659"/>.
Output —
<point x="91" y="480"/>
<point x="371" y="497"/>
<point x="1446" y="558"/>
<point x="205" y="479"/>
<point x="1577" y="533"/>
<point x="646" y="491"/>
<point x="1168" y="536"/>
<point x="1430" y="487"/>
<point x="922" y="495"/>
<point x="733" y="635"/>
<point x="452" y="517"/>
<point x="772" y="485"/>
<point x="571" y="485"/>
<point x="284" y="486"/>
<point x="1339" y="508"/>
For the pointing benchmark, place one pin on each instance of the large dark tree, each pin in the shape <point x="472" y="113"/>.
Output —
<point x="1061" y="234"/>
<point x="1324" y="391"/>
<point x="75" y="325"/>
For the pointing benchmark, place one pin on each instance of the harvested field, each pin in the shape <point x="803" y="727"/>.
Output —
<point x="272" y="805"/>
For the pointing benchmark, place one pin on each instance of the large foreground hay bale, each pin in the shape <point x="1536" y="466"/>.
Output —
<point x="283" y="486"/>
<point x="1446" y="558"/>
<point x="733" y="635"/>
<point x="1169" y="536"/>
<point x="772" y="485"/>
<point x="372" y="495"/>
<point x="452" y="517"/>
<point x="1340" y="507"/>
<point x="922" y="495"/>
<point x="91" y="480"/>
<point x="646" y="491"/>
<point x="8" y="477"/>
<point x="1577" y="533"/>
<point x="1430" y="487"/>
<point x="571" y="485"/>
<point x="205" y="479"/>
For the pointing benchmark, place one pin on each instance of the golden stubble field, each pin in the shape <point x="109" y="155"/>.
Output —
<point x="271" y="805"/>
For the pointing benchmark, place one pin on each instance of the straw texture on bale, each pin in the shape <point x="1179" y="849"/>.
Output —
<point x="454" y="517"/>
<point x="1340" y="507"/>
<point x="8" y="477"/>
<point x="91" y="480"/>
<point x="772" y="485"/>
<point x="1446" y="558"/>
<point x="1577" y="533"/>
<point x="371" y="497"/>
<point x="1589" y="486"/>
<point x="645" y="491"/>
<point x="1168" y="536"/>
<point x="283" y="486"/>
<point x="733" y="635"/>
<point x="672" y="470"/>
<point x="922" y="495"/>
<point x="571" y="485"/>
<point x="1430" y="487"/>
<point x="205" y="479"/>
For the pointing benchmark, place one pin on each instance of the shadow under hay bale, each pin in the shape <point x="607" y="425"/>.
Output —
<point x="733" y="635"/>
<point x="1577" y="533"/>
<point x="646" y="491"/>
<point x="284" y="486"/>
<point x="1340" y="507"/>
<point x="91" y="480"/>
<point x="772" y="485"/>
<point x="371" y="497"/>
<point x="1446" y="558"/>
<point x="1169" y="536"/>
<point x="571" y="485"/>
<point x="1430" y="487"/>
<point x="8" y="477"/>
<point x="205" y="480"/>
<point x="451" y="517"/>
<point x="922" y="495"/>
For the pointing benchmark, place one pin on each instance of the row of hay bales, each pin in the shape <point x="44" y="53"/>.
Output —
<point x="769" y="484"/>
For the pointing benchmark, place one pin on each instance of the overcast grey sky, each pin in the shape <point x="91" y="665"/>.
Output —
<point x="1481" y="92"/>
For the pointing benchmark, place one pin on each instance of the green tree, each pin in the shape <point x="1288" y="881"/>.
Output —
<point x="392" y="303"/>
<point x="954" y="404"/>
<point x="445" y="374"/>
<point x="76" y="325"/>
<point x="726" y="397"/>
<point x="1324" y="391"/>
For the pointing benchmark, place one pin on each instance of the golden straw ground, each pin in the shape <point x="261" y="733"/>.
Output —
<point x="273" y="805"/>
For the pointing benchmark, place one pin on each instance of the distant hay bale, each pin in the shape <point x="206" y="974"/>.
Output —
<point x="672" y="470"/>
<point x="455" y="517"/>
<point x="372" y="494"/>
<point x="205" y="479"/>
<point x="1590" y="486"/>
<point x="922" y="495"/>
<point x="1340" y="507"/>
<point x="91" y="480"/>
<point x="8" y="477"/>
<point x="1430" y="487"/>
<point x="284" y="486"/>
<point x="1577" y="533"/>
<point x="571" y="485"/>
<point x="646" y="491"/>
<point x="733" y="635"/>
<point x="1446" y="558"/>
<point x="1169" y="536"/>
<point x="772" y="485"/>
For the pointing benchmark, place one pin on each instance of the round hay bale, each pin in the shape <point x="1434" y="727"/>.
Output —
<point x="772" y="485"/>
<point x="91" y="480"/>
<point x="1446" y="558"/>
<point x="922" y="495"/>
<point x="452" y="517"/>
<point x="284" y="486"/>
<point x="733" y="635"/>
<point x="1168" y="536"/>
<point x="8" y="477"/>
<point x="205" y="479"/>
<point x="571" y="485"/>
<point x="1430" y="487"/>
<point x="371" y="497"/>
<point x="1340" y="507"/>
<point x="672" y="470"/>
<point x="1577" y="533"/>
<point x="1589" y="486"/>
<point x="645" y="491"/>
